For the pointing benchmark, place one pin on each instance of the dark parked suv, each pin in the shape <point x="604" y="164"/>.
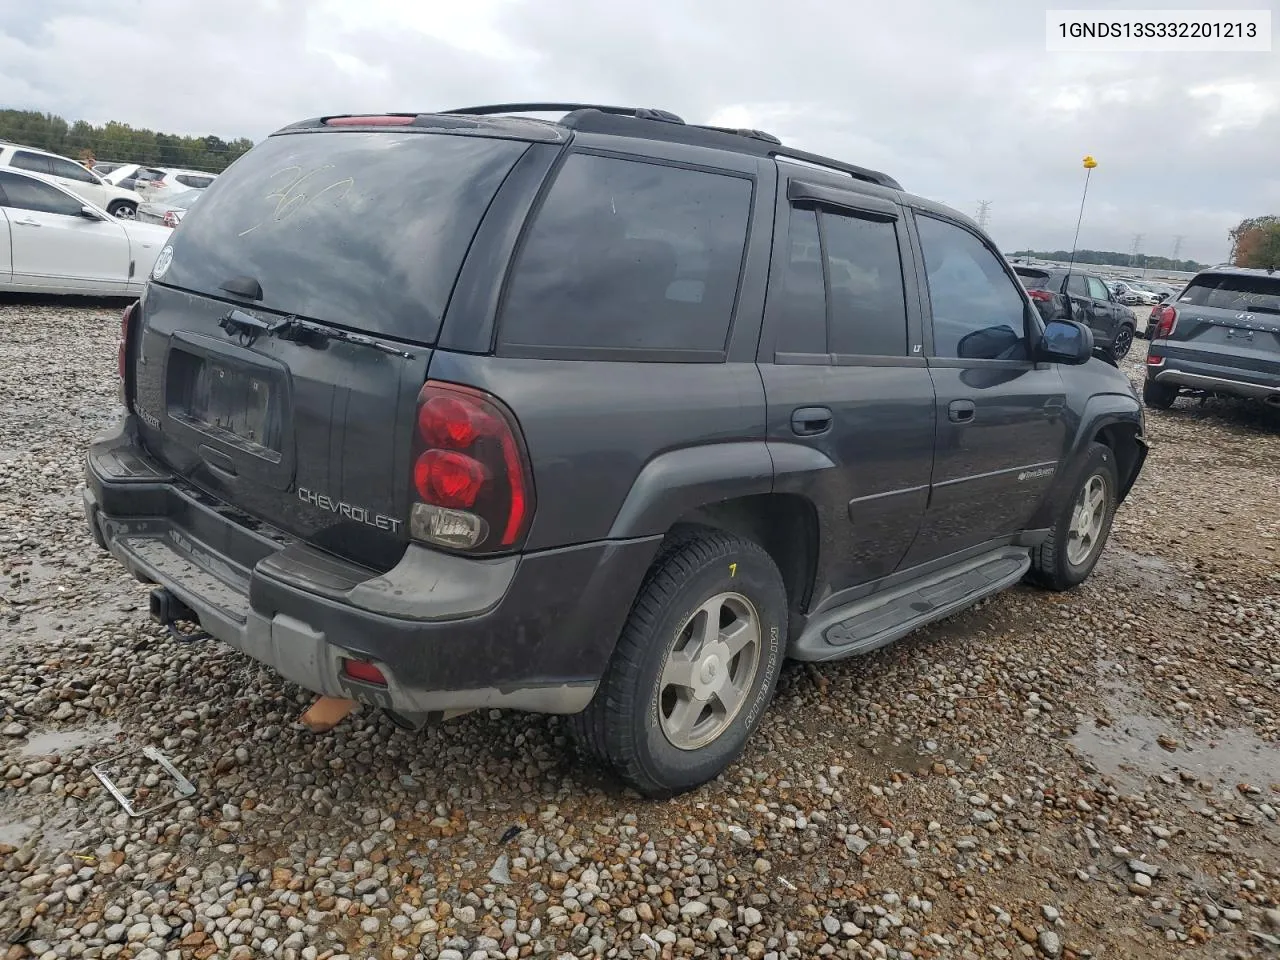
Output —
<point x="602" y="417"/>
<point x="1060" y="293"/>
<point x="1221" y="335"/>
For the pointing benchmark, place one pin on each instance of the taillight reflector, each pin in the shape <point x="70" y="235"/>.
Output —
<point x="470" y="471"/>
<point x="383" y="120"/>
<point x="363" y="670"/>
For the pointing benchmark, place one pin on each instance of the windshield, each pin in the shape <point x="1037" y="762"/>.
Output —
<point x="362" y="230"/>
<point x="1231" y="292"/>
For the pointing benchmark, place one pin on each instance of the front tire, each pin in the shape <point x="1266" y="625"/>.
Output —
<point x="123" y="210"/>
<point x="695" y="667"/>
<point x="1158" y="396"/>
<point x="1123" y="342"/>
<point x="1082" y="526"/>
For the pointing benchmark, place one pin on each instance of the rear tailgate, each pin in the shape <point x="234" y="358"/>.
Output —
<point x="1230" y="321"/>
<point x="348" y="244"/>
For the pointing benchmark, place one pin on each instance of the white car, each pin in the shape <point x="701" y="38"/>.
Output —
<point x="52" y="241"/>
<point x="153" y="183"/>
<point x="85" y="184"/>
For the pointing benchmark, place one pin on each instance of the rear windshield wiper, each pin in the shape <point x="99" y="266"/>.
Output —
<point x="302" y="331"/>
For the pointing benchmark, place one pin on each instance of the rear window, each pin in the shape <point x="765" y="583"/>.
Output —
<point x="191" y="180"/>
<point x="630" y="255"/>
<point x="1230" y="292"/>
<point x="361" y="230"/>
<point x="1032" y="279"/>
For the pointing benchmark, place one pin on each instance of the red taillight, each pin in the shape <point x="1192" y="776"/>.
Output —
<point x="171" y="218"/>
<point x="383" y="120"/>
<point x="470" y="471"/>
<point x="1042" y="295"/>
<point x="363" y="670"/>
<point x="1166" y="319"/>
<point x="448" y="478"/>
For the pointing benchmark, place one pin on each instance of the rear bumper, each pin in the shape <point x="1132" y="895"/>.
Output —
<point x="1215" y="378"/>
<point x="527" y="632"/>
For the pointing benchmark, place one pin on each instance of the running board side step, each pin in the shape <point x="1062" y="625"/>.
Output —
<point x="867" y="624"/>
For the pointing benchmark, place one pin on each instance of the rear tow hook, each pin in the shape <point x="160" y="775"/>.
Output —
<point x="168" y="611"/>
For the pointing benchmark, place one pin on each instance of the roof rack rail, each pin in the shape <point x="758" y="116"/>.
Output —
<point x="852" y="169"/>
<point x="640" y="113"/>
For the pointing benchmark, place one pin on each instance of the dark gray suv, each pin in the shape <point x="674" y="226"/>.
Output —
<point x="603" y="417"/>
<point x="1220" y="335"/>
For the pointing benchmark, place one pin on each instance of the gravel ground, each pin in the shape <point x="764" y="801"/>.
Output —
<point x="1092" y="774"/>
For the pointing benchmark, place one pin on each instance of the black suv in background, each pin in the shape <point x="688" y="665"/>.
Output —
<point x="1220" y="335"/>
<point x="1059" y="293"/>
<point x="602" y="417"/>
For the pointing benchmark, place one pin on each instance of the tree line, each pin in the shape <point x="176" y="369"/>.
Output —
<point x="1113" y="258"/>
<point x="118" y="141"/>
<point x="1255" y="242"/>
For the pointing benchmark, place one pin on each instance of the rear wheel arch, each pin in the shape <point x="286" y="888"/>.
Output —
<point x="785" y="525"/>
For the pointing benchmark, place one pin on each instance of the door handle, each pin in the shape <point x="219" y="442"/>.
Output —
<point x="810" y="421"/>
<point x="961" y="411"/>
<point x="26" y="223"/>
<point x="1054" y="406"/>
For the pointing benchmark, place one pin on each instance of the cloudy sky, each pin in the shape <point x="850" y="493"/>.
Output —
<point x="956" y="98"/>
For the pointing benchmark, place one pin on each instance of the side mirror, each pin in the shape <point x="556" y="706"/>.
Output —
<point x="1066" y="341"/>
<point x="89" y="213"/>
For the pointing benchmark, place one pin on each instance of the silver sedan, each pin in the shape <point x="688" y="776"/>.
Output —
<point x="169" y="210"/>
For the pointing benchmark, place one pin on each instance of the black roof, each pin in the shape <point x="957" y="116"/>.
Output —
<point x="640" y="122"/>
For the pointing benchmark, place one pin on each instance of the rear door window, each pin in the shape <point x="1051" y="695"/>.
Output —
<point x="1241" y="293"/>
<point x="26" y="160"/>
<point x="360" y="230"/>
<point x="864" y="276"/>
<point x="630" y="255"/>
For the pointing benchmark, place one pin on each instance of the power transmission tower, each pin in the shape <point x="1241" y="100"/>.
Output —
<point x="984" y="208"/>
<point x="1133" y="254"/>
<point x="1177" y="245"/>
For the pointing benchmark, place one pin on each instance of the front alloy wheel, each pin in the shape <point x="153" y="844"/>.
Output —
<point x="1088" y="520"/>
<point x="1123" y="344"/>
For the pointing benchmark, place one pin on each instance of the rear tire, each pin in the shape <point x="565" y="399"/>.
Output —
<point x="1082" y="526"/>
<point x="1158" y="396"/>
<point x="695" y="667"/>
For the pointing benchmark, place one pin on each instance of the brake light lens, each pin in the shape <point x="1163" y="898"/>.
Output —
<point x="471" y="476"/>
<point x="172" y="218"/>
<point x="1166" y="319"/>
<point x="1042" y="295"/>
